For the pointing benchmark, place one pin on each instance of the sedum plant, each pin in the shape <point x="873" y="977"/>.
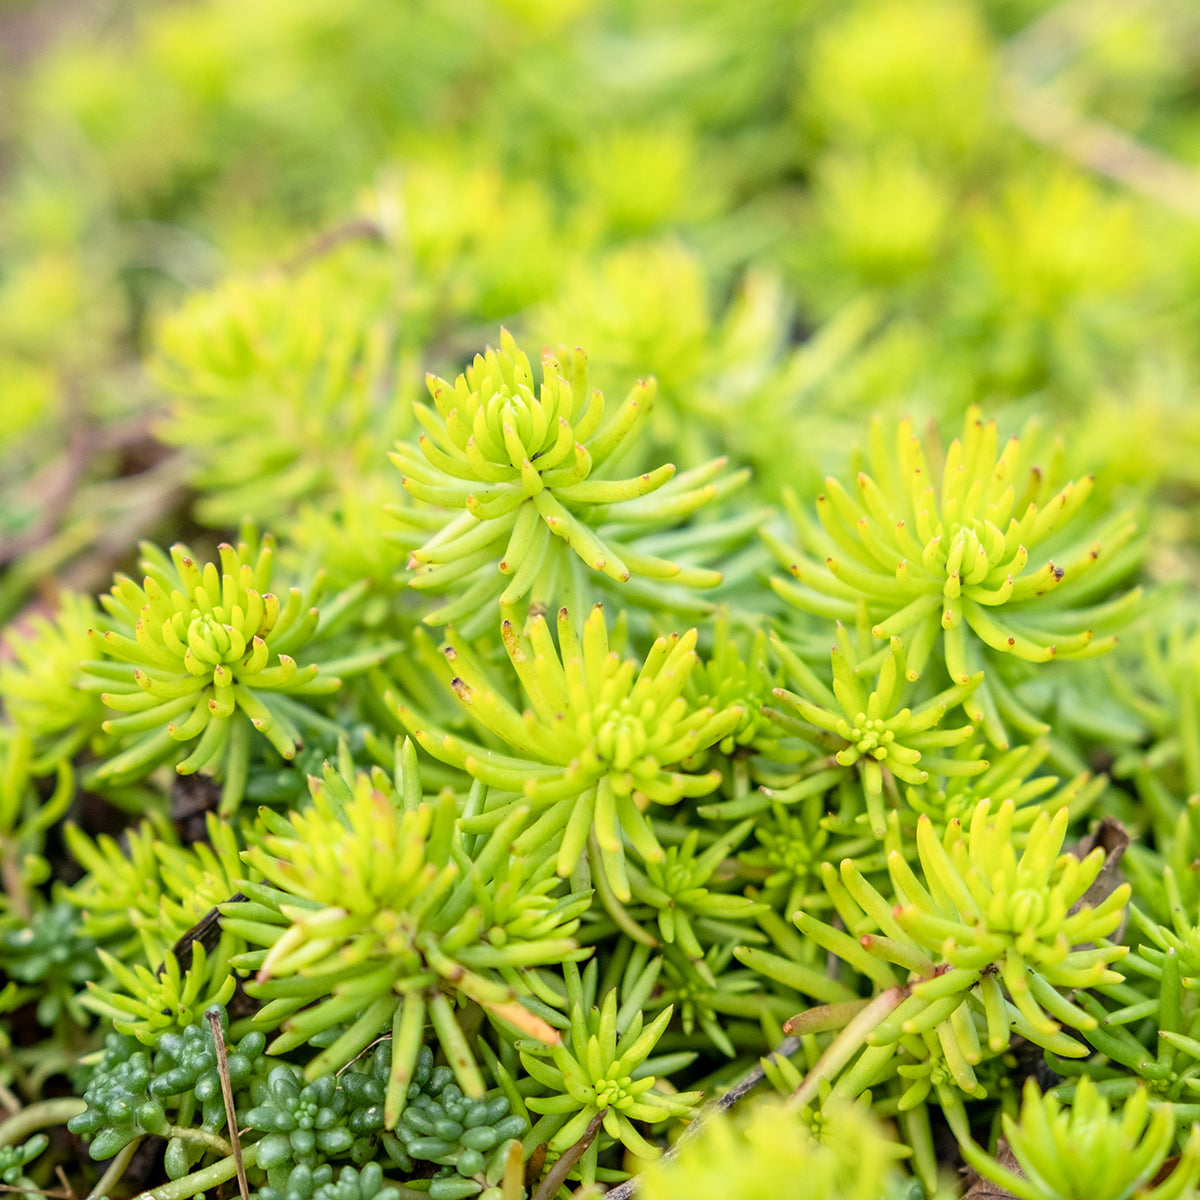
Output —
<point x="832" y="837"/>
<point x="604" y="1070"/>
<point x="40" y="681"/>
<point x="1089" y="1150"/>
<point x="750" y="1156"/>
<point x="943" y="549"/>
<point x="885" y="739"/>
<point x="315" y="353"/>
<point x="200" y="656"/>
<point x="983" y="948"/>
<point x="598" y="745"/>
<point x="522" y="473"/>
<point x="375" y="915"/>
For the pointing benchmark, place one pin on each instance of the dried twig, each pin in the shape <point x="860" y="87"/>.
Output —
<point x="206" y="932"/>
<point x="1103" y="148"/>
<point x="557" y="1175"/>
<point x="328" y="240"/>
<point x="1044" y="48"/>
<point x="722" y="1103"/>
<point x="843" y="1047"/>
<point x="235" y="1141"/>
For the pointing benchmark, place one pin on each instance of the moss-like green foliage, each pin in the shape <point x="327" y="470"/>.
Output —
<point x="907" y="826"/>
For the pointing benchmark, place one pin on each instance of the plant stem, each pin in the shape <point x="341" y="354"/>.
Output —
<point x="846" y="1044"/>
<point x="114" y="1170"/>
<point x="211" y="1141"/>
<point x="201" y="1181"/>
<point x="39" y="1116"/>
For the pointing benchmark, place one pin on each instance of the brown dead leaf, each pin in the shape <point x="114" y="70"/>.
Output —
<point x="1113" y="838"/>
<point x="979" y="1188"/>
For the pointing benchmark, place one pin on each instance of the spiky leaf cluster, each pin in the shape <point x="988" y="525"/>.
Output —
<point x="753" y="1155"/>
<point x="151" y="886"/>
<point x="603" y="740"/>
<point x="939" y="546"/>
<point x="986" y="947"/>
<point x="314" y="355"/>
<point x="604" y="1066"/>
<point x="39" y="680"/>
<point x="1089" y="1152"/>
<point x="876" y="732"/>
<point x="378" y="911"/>
<point x="683" y="904"/>
<point x="201" y="656"/>
<point x="518" y="470"/>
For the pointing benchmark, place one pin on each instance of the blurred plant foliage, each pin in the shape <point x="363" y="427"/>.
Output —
<point x="565" y="561"/>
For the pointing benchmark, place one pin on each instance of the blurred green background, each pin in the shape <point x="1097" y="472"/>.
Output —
<point x="793" y="214"/>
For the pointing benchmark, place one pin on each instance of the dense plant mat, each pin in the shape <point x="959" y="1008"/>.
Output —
<point x="599" y="596"/>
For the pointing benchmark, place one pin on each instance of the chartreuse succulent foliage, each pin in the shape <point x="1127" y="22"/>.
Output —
<point x="973" y="550"/>
<point x="534" y="606"/>
<point x="524" y="472"/>
<point x="603" y="740"/>
<point x="1088" y="1150"/>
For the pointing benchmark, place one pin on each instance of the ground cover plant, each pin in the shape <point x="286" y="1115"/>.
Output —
<point x="599" y="597"/>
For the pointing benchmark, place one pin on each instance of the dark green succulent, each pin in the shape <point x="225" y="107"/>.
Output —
<point x="469" y="1138"/>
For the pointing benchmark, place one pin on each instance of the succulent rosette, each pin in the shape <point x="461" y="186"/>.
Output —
<point x="942" y="550"/>
<point x="520" y="498"/>
<point x="602" y="741"/>
<point x="200" y="656"/>
<point x="374" y="913"/>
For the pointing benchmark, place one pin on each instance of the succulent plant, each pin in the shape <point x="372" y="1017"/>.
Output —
<point x="876" y="732"/>
<point x="659" y="855"/>
<point x="683" y="905"/>
<point x="469" y="1138"/>
<point x="201" y="656"/>
<point x="39" y="683"/>
<point x="25" y="817"/>
<point x="603" y="1067"/>
<point x="938" y="546"/>
<point x="750" y="1155"/>
<point x="14" y="1160"/>
<point x="320" y="372"/>
<point x="375" y="912"/>
<point x="600" y="744"/>
<point x="150" y="1003"/>
<point x="986" y="946"/>
<point x="1088" y="1150"/>
<point x="517" y="470"/>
